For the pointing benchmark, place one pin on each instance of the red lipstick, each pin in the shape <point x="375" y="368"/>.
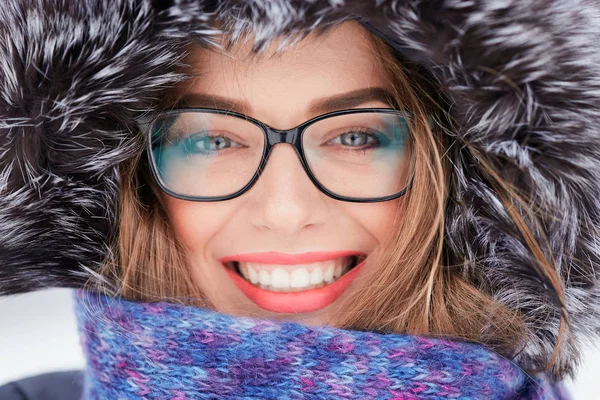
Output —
<point x="293" y="302"/>
<point x="273" y="257"/>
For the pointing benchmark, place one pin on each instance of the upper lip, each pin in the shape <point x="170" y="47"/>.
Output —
<point x="273" y="257"/>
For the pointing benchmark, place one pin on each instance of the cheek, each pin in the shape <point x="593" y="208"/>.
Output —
<point x="376" y="218"/>
<point x="194" y="223"/>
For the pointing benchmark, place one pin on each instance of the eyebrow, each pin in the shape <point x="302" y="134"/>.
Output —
<point x="350" y="99"/>
<point x="324" y="105"/>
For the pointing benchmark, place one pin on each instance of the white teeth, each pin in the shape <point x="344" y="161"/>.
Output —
<point x="328" y="275"/>
<point x="253" y="275"/>
<point x="264" y="277"/>
<point x="299" y="278"/>
<point x="337" y="272"/>
<point x="316" y="276"/>
<point x="244" y="271"/>
<point x="285" y="278"/>
<point x="280" y="278"/>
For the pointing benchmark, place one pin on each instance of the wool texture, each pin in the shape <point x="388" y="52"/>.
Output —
<point x="163" y="350"/>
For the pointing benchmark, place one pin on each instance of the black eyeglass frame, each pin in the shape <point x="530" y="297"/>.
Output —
<point x="272" y="137"/>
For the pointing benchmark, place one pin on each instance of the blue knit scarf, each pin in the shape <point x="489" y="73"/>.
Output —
<point x="166" y="351"/>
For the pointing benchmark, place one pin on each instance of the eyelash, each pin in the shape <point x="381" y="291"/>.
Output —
<point x="370" y="135"/>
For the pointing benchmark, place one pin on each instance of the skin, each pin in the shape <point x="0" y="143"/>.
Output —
<point x="283" y="211"/>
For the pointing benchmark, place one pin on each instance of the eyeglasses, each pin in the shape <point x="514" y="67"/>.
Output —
<point x="358" y="155"/>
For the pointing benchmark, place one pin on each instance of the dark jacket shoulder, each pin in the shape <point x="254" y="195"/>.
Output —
<point x="64" y="385"/>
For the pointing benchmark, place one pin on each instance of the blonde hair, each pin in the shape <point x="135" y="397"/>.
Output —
<point x="413" y="290"/>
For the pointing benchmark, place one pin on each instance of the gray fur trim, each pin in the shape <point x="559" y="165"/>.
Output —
<point x="522" y="80"/>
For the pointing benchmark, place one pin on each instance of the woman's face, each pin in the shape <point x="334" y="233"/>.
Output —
<point x="283" y="223"/>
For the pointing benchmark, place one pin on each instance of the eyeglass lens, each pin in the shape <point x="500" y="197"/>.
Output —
<point x="358" y="155"/>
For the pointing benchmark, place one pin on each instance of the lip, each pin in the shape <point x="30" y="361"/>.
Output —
<point x="273" y="257"/>
<point x="293" y="302"/>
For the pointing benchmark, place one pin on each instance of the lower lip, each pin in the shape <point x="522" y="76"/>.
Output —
<point x="295" y="302"/>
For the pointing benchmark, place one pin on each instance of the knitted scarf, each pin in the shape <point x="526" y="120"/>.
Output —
<point x="167" y="351"/>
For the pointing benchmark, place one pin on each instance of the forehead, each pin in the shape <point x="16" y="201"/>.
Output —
<point x="340" y="60"/>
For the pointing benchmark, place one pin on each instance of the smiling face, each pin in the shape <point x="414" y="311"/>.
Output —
<point x="283" y="233"/>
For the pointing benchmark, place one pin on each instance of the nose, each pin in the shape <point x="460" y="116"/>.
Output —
<point x="287" y="202"/>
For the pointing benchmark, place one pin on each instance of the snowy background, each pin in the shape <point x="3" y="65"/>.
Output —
<point x="38" y="334"/>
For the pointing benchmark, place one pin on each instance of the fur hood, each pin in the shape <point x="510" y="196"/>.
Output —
<point x="521" y="80"/>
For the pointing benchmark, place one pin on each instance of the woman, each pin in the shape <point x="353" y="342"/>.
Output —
<point x="307" y="199"/>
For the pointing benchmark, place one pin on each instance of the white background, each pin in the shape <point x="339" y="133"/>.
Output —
<point x="38" y="334"/>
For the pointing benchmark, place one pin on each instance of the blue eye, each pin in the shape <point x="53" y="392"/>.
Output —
<point x="206" y="144"/>
<point x="359" y="138"/>
<point x="356" y="139"/>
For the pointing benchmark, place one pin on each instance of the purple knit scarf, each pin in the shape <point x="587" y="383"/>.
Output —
<point x="171" y="352"/>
